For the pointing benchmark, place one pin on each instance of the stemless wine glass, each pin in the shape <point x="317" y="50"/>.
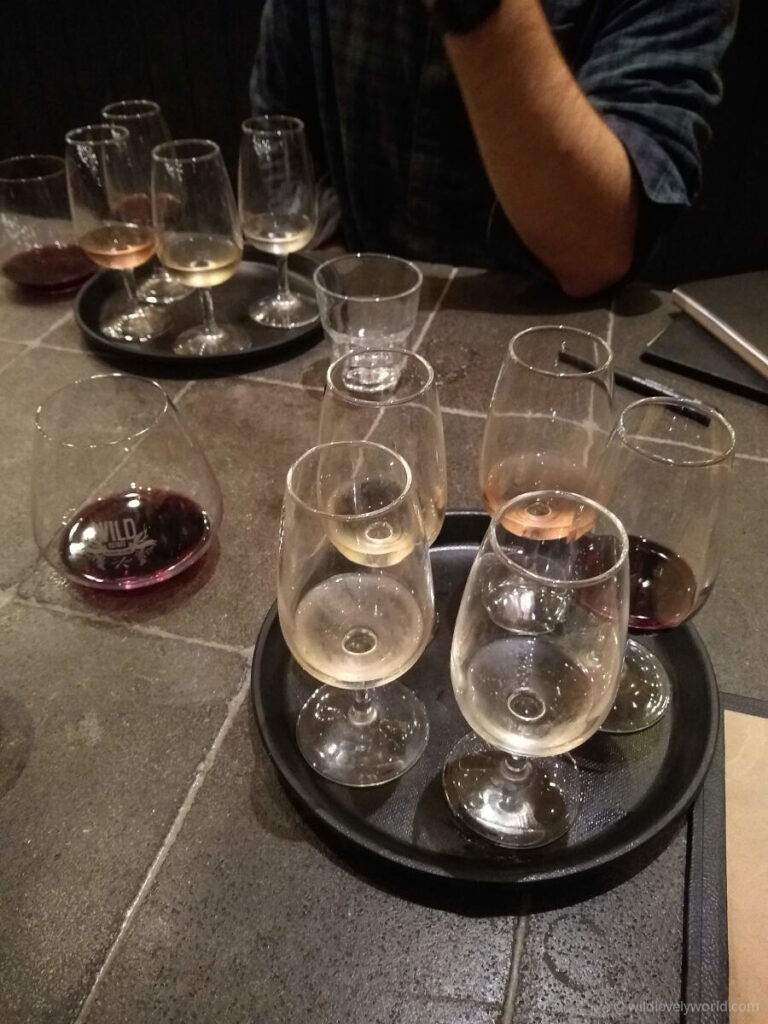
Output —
<point x="112" y="229"/>
<point x="531" y="695"/>
<point x="356" y="608"/>
<point x="668" y="466"/>
<point x="549" y="418"/>
<point x="122" y="495"/>
<point x="199" y="237"/>
<point x="405" y="418"/>
<point x="146" y="129"/>
<point x="278" y="208"/>
<point x="37" y="244"/>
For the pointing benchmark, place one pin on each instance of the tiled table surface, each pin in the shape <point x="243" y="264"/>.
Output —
<point x="151" y="867"/>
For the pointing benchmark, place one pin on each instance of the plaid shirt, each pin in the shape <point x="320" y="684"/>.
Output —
<point x="389" y="132"/>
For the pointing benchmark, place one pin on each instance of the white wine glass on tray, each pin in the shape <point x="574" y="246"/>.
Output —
<point x="667" y="470"/>
<point x="146" y="129"/>
<point x="122" y="495"/>
<point x="530" y="696"/>
<point x="278" y="209"/>
<point x="198" y="235"/>
<point x="356" y="607"/>
<point x="111" y="228"/>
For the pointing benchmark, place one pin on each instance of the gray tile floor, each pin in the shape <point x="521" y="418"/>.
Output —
<point x="152" y="868"/>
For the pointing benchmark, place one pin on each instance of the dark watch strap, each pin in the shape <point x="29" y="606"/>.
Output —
<point x="457" y="17"/>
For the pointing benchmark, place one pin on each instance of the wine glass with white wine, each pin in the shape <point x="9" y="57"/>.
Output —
<point x="199" y="237"/>
<point x="278" y="209"/>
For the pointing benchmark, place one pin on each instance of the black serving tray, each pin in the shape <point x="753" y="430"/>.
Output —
<point x="254" y="278"/>
<point x="633" y="786"/>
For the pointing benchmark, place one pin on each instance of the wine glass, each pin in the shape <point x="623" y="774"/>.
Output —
<point x="405" y="418"/>
<point x="356" y="608"/>
<point x="549" y="418"/>
<point x="37" y="245"/>
<point x="278" y="209"/>
<point x="667" y="467"/>
<point x="146" y="129"/>
<point x="199" y="237"/>
<point x="531" y="695"/>
<point x="122" y="495"/>
<point x="111" y="228"/>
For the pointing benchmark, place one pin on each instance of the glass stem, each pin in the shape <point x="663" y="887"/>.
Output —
<point x="283" y="287"/>
<point x="362" y="711"/>
<point x="515" y="769"/>
<point x="129" y="281"/>
<point x="209" y="322"/>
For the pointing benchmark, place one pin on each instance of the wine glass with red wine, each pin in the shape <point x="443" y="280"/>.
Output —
<point x="37" y="244"/>
<point x="549" y="418"/>
<point x="111" y="226"/>
<point x="146" y="129"/>
<point x="667" y="467"/>
<point x="122" y="495"/>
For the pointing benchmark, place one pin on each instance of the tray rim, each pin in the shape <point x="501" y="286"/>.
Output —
<point x="516" y="875"/>
<point x="129" y="350"/>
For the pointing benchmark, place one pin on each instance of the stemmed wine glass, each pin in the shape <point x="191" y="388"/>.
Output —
<point x="549" y="418"/>
<point x="122" y="495"/>
<point x="199" y="237"/>
<point x="146" y="129"/>
<point x="278" y="209"/>
<point x="406" y="418"/>
<point x="531" y="695"/>
<point x="111" y="228"/>
<point x="356" y="608"/>
<point x="667" y="468"/>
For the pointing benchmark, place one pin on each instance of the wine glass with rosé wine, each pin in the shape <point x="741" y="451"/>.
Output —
<point x="113" y="230"/>
<point x="667" y="469"/>
<point x="122" y="495"/>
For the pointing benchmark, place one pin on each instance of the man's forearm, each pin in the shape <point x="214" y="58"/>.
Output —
<point x="561" y="176"/>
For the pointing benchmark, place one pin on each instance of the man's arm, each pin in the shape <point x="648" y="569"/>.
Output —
<point x="562" y="177"/>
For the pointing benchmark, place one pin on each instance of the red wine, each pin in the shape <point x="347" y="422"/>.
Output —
<point x="49" y="268"/>
<point x="662" y="587"/>
<point x="131" y="540"/>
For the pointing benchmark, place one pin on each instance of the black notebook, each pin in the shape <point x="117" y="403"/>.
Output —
<point x="740" y="303"/>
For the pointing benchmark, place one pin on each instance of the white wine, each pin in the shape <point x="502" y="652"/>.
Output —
<point x="528" y="697"/>
<point x="278" y="233"/>
<point x="519" y="474"/>
<point x="357" y="629"/>
<point x="118" y="246"/>
<point x="199" y="260"/>
<point x="381" y="540"/>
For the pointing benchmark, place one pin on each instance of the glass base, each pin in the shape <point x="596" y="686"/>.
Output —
<point x="161" y="289"/>
<point x="517" y="802"/>
<point x="138" y="324"/>
<point x="293" y="310"/>
<point x="644" y="692"/>
<point x="224" y="340"/>
<point x="367" y="747"/>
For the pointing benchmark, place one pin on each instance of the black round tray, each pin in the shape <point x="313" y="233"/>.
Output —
<point x="254" y="278"/>
<point x="633" y="786"/>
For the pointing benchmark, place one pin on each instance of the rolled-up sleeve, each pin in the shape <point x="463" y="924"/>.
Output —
<point x="652" y="73"/>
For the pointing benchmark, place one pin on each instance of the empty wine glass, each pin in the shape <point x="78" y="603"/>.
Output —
<point x="122" y="495"/>
<point x="37" y="244"/>
<point x="356" y="608"/>
<point x="667" y="467"/>
<point x="549" y="417"/>
<point x="278" y="209"/>
<point x="531" y="695"/>
<point x="405" y="418"/>
<point x="111" y="227"/>
<point x="146" y="129"/>
<point x="199" y="237"/>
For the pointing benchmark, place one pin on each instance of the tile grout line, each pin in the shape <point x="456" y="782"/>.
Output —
<point x="611" y="324"/>
<point x="513" y="981"/>
<point x="134" y="627"/>
<point x="201" y="772"/>
<point x="283" y="383"/>
<point x="435" y="310"/>
<point x="470" y="413"/>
